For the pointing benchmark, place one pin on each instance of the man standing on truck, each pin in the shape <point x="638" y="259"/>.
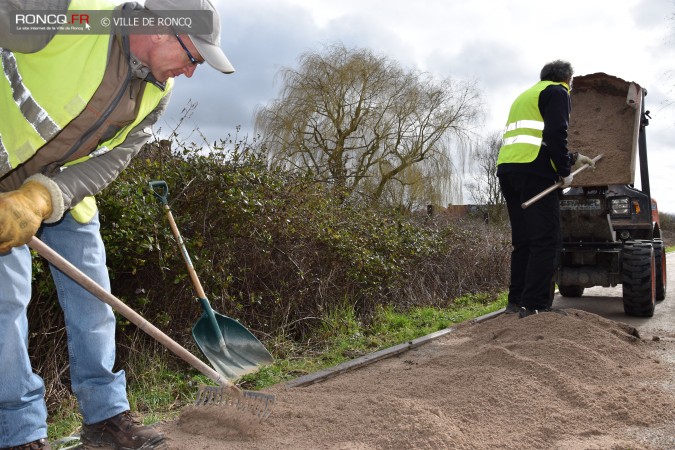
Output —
<point x="532" y="157"/>
<point x="74" y="110"/>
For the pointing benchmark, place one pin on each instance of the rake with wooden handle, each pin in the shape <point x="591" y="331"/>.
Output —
<point x="227" y="393"/>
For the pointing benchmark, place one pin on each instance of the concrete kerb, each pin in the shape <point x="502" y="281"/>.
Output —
<point x="370" y="358"/>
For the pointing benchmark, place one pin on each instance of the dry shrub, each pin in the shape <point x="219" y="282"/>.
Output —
<point x="475" y="257"/>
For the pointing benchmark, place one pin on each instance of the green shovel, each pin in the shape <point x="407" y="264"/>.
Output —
<point x="230" y="348"/>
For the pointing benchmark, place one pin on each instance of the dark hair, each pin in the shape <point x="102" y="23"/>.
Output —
<point x="557" y="70"/>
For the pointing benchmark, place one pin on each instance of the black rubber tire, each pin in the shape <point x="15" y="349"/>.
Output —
<point x="571" y="290"/>
<point x="660" y="269"/>
<point x="638" y="278"/>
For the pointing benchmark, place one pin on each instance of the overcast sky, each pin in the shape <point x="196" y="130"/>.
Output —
<point x="501" y="45"/>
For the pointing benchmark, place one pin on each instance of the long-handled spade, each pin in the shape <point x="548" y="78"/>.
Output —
<point x="232" y="350"/>
<point x="226" y="393"/>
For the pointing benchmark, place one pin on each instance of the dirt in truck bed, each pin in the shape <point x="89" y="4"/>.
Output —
<point x="574" y="381"/>
<point x="602" y="122"/>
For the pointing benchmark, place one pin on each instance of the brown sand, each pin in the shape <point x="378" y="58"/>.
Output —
<point x="603" y="122"/>
<point x="547" y="381"/>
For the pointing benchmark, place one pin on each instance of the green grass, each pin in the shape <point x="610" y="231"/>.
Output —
<point x="157" y="393"/>
<point x="344" y="338"/>
<point x="65" y="421"/>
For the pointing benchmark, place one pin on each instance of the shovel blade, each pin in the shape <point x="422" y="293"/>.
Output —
<point x="242" y="352"/>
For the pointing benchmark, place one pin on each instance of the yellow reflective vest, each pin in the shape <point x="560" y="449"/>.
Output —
<point x="42" y="92"/>
<point x="524" y="130"/>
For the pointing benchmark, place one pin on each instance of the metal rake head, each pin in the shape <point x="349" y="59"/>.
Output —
<point x="256" y="403"/>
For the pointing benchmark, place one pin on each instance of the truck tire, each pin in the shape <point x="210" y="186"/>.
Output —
<point x="638" y="278"/>
<point x="660" y="269"/>
<point x="571" y="290"/>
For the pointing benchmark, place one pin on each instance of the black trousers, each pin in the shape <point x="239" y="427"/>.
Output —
<point x="536" y="239"/>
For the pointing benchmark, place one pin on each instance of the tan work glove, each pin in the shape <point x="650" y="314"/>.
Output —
<point x="566" y="181"/>
<point x="581" y="160"/>
<point x="21" y="214"/>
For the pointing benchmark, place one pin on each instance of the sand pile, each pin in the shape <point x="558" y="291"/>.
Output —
<point x="574" y="381"/>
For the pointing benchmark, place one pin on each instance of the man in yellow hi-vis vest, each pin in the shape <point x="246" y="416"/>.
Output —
<point x="74" y="109"/>
<point x="533" y="156"/>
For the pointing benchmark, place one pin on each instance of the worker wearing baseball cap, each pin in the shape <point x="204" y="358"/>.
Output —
<point x="68" y="126"/>
<point x="207" y="44"/>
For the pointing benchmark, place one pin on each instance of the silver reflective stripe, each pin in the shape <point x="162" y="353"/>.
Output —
<point x="531" y="124"/>
<point x="100" y="151"/>
<point x="523" y="139"/>
<point x="4" y="159"/>
<point x="31" y="110"/>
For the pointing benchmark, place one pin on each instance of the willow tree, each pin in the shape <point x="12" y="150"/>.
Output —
<point x="362" y="123"/>
<point x="484" y="189"/>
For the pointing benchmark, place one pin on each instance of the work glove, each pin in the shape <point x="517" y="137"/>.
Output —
<point x="567" y="181"/>
<point x="581" y="160"/>
<point x="21" y="214"/>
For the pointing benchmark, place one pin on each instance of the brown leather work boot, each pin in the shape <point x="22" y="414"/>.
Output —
<point x="121" y="432"/>
<point x="40" y="444"/>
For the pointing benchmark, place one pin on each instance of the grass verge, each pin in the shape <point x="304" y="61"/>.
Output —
<point x="157" y="393"/>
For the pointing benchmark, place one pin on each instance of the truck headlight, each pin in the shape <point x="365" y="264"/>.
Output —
<point x="619" y="206"/>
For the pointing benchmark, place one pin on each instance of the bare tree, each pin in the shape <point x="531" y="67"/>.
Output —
<point x="484" y="189"/>
<point x="360" y="122"/>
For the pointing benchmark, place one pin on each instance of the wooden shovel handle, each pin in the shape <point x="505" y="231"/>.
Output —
<point x="106" y="297"/>
<point x="552" y="188"/>
<point x="186" y="257"/>
<point x="161" y="190"/>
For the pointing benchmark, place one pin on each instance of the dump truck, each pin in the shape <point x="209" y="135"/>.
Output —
<point x="610" y="228"/>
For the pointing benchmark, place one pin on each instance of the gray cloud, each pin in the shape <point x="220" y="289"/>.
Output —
<point x="258" y="41"/>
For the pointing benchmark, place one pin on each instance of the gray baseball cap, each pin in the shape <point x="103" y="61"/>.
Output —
<point x="208" y="45"/>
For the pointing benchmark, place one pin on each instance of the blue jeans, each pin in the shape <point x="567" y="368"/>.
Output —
<point x="90" y="326"/>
